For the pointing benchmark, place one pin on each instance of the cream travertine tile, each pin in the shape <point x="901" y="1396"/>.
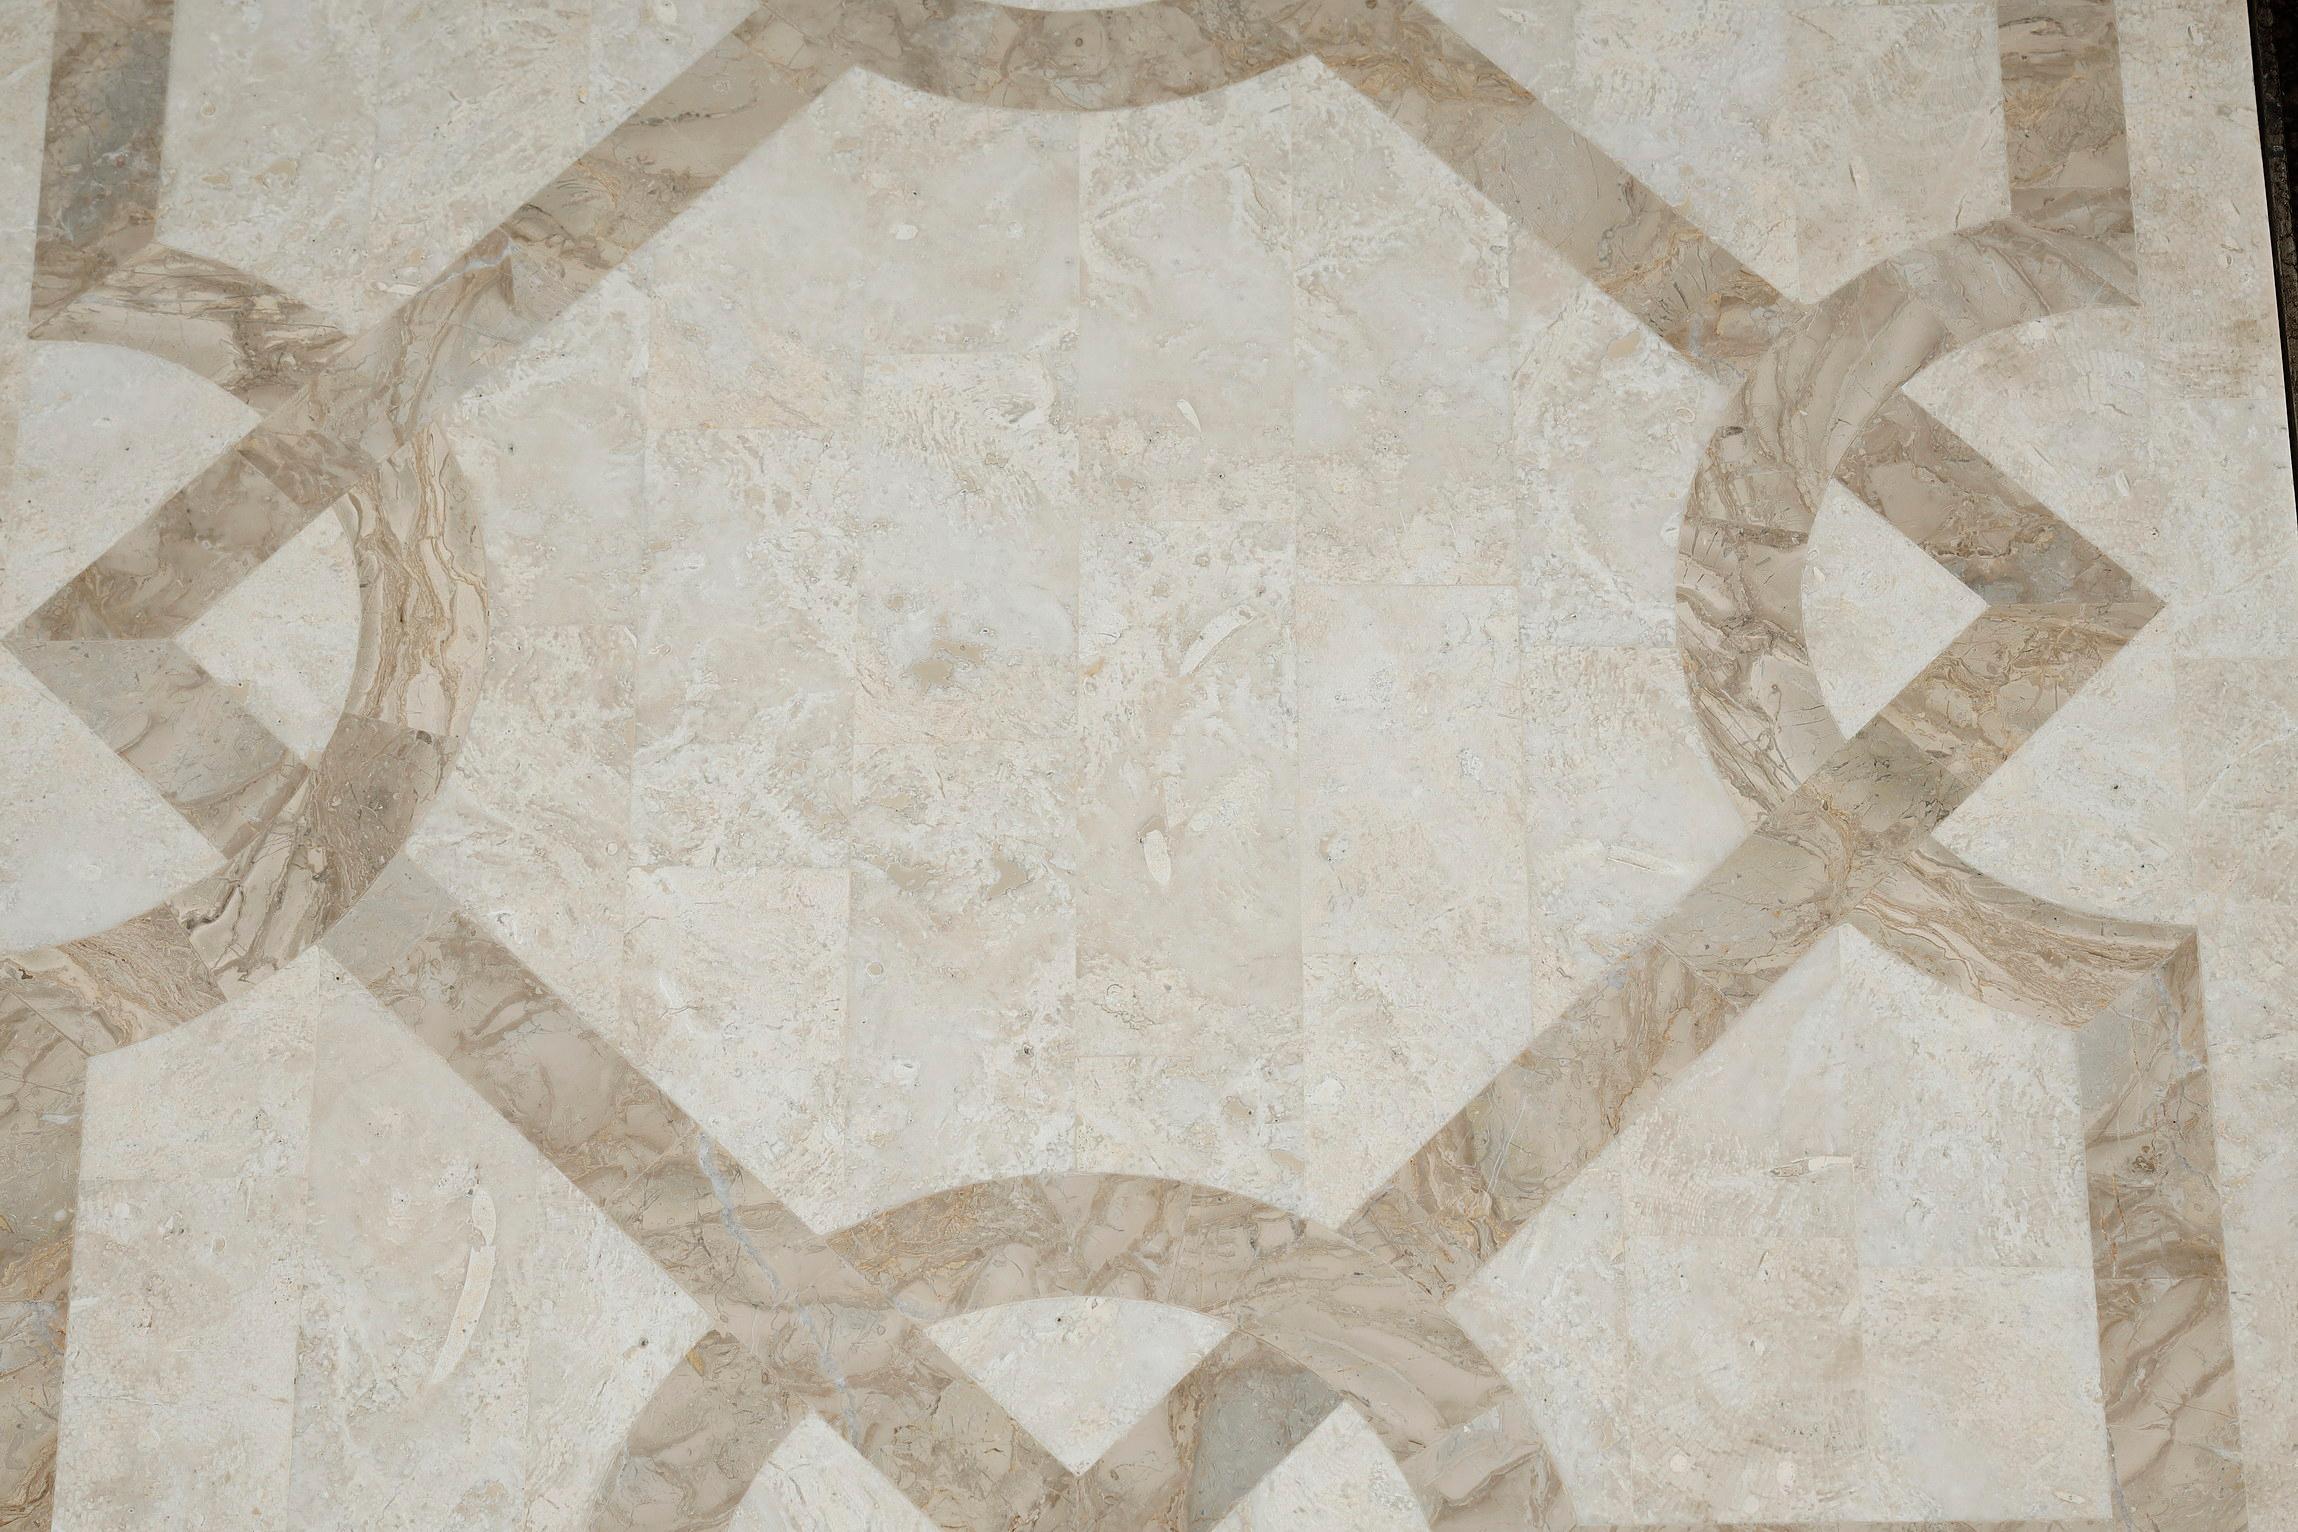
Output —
<point x="1767" y="1327"/>
<point x="1078" y="1372"/>
<point x="104" y="435"/>
<point x="1184" y="369"/>
<point x="814" y="1482"/>
<point x="962" y="964"/>
<point x="375" y="142"/>
<point x="286" y="638"/>
<point x="1189" y="1022"/>
<point x="475" y="1336"/>
<point x="2249" y="988"/>
<point x="271" y="146"/>
<point x="734" y="1001"/>
<point x="2237" y="720"/>
<point x="744" y="693"/>
<point x="1552" y="1309"/>
<point x="966" y="535"/>
<point x="84" y="841"/>
<point x="190" y="1258"/>
<point x="557" y="437"/>
<point x="2223" y="466"/>
<point x="532" y="831"/>
<point x="1961" y="1361"/>
<point x="213" y="1267"/>
<point x="1399" y="308"/>
<point x="1339" y="1476"/>
<point x="1876" y="608"/>
<point x="2194" y="164"/>
<point x="971" y="225"/>
<point x="1970" y="1131"/>
<point x="735" y="339"/>
<point x="468" y="103"/>
<point x="2265" y="1312"/>
<point x="1896" y="133"/>
<point x="1609" y="422"/>
<point x="636" y="46"/>
<point x="1413" y="780"/>
<point x="1623" y="812"/>
<point x="980" y="685"/>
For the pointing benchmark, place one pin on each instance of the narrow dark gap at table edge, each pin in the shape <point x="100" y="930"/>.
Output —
<point x="2274" y="72"/>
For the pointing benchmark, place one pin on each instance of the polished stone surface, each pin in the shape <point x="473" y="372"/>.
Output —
<point x="1218" y="765"/>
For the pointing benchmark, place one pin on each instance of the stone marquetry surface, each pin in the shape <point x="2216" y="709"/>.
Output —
<point x="893" y="765"/>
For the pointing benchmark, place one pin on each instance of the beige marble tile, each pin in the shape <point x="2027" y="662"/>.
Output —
<point x="965" y="531"/>
<point x="962" y="964"/>
<point x="1412" y="739"/>
<point x="25" y="41"/>
<point x="2092" y="812"/>
<point x="1691" y="98"/>
<point x="1396" y="1042"/>
<point x="1188" y="1026"/>
<point x="2063" y="405"/>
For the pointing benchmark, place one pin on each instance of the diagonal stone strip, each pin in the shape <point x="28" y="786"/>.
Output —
<point x="100" y="166"/>
<point x="235" y="330"/>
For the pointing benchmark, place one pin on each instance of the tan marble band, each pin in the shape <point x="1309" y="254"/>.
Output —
<point x="100" y="168"/>
<point x="236" y="330"/>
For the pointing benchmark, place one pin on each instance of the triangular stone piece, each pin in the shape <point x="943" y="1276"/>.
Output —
<point x="1876" y="608"/>
<point x="1078" y="1373"/>
<point x="287" y="636"/>
<point x="816" y="1482"/>
<point x="1339" y="1476"/>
